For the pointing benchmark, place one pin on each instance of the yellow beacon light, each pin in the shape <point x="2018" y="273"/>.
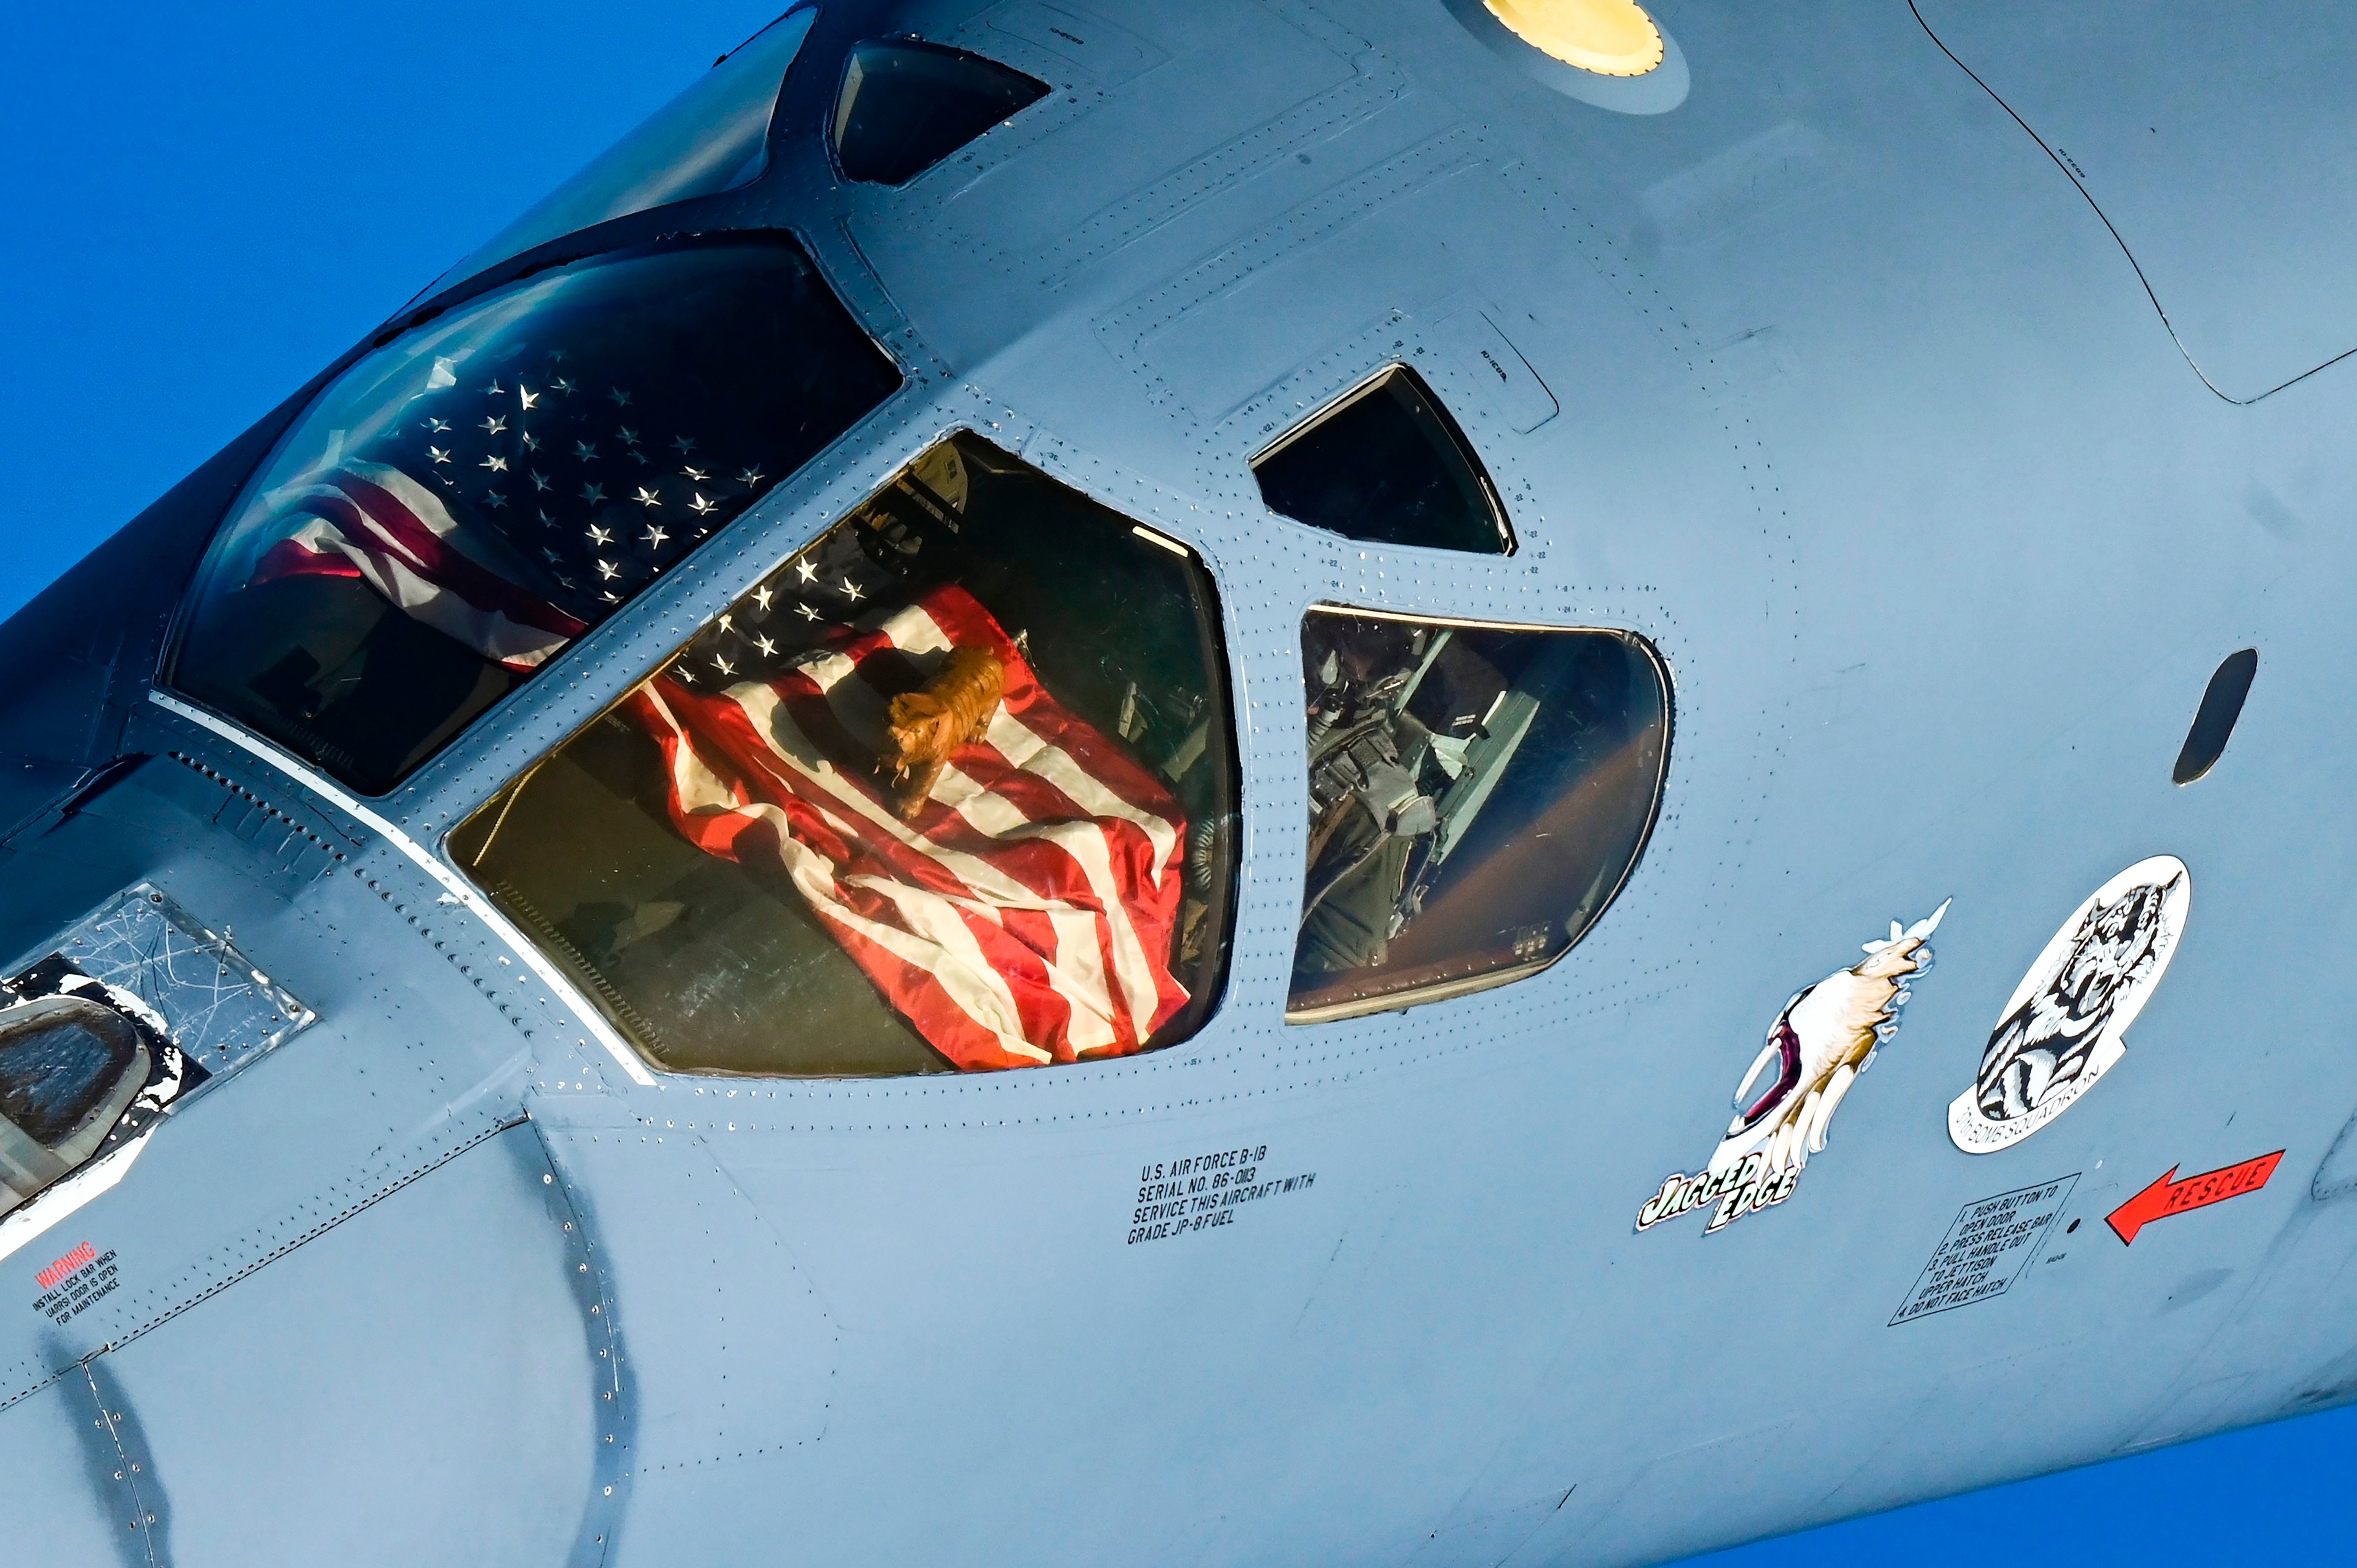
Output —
<point x="1610" y="37"/>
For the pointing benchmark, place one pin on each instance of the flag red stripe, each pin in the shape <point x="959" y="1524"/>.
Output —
<point x="289" y="558"/>
<point x="436" y="559"/>
<point x="991" y="922"/>
<point x="914" y="990"/>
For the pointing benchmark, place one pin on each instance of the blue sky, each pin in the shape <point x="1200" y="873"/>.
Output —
<point x="205" y="205"/>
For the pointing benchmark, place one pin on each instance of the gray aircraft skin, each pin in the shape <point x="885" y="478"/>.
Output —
<point x="1941" y="394"/>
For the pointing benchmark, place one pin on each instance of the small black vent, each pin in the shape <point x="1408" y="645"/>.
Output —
<point x="2221" y="705"/>
<point x="907" y="105"/>
<point x="1387" y="464"/>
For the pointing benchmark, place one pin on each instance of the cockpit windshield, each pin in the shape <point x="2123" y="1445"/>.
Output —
<point x="460" y="505"/>
<point x="952" y="790"/>
<point x="1477" y="793"/>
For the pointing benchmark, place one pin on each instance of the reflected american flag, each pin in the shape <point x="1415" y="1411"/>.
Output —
<point x="509" y="512"/>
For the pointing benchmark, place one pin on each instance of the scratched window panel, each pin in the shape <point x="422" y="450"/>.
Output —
<point x="134" y="1008"/>
<point x="219" y="1006"/>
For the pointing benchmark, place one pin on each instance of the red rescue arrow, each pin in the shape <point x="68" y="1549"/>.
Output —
<point x="2165" y="1198"/>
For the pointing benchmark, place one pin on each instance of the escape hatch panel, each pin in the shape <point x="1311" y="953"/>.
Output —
<point x="2219" y="144"/>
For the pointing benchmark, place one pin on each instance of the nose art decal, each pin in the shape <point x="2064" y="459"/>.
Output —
<point x="1818" y="1045"/>
<point x="2066" y="1023"/>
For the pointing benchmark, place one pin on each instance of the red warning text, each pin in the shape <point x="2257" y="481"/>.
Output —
<point x="2166" y="1198"/>
<point x="81" y="1257"/>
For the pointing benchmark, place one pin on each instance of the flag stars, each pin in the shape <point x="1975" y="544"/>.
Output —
<point x="851" y="591"/>
<point x="750" y="478"/>
<point x="530" y="442"/>
<point x="495" y="389"/>
<point x="608" y="571"/>
<point x="584" y="453"/>
<point x="806" y="611"/>
<point x="647" y="496"/>
<point x="698" y="475"/>
<point x="621" y="399"/>
<point x="435" y="427"/>
<point x="805" y="571"/>
<point x="701" y="507"/>
<point x="495" y="463"/>
<point x="495" y="500"/>
<point x="530" y="398"/>
<point x="629" y="438"/>
<point x="762" y="595"/>
<point x="593" y="494"/>
<point x="769" y="650"/>
<point x="600" y="536"/>
<point x="655" y="536"/>
<point x="495" y="423"/>
<point x="539" y="480"/>
<point x="562" y="386"/>
<point x="440" y="454"/>
<point x="684" y="444"/>
<point x="723" y="665"/>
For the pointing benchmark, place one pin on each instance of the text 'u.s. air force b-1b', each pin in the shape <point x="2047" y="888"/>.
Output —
<point x="1088" y="782"/>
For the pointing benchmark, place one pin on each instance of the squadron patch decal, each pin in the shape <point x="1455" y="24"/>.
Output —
<point x="2065" y="1025"/>
<point x="1824" y="1038"/>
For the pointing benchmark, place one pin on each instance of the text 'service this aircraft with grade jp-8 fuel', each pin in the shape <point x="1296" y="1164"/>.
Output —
<point x="1078" y="782"/>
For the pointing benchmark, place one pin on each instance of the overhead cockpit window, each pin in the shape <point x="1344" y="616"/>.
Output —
<point x="460" y="505"/>
<point x="1478" y="794"/>
<point x="952" y="790"/>
<point x="714" y="137"/>
<point x="1386" y="464"/>
<point x="906" y="105"/>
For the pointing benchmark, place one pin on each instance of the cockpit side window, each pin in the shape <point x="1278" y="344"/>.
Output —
<point x="1387" y="464"/>
<point x="952" y="790"/>
<point x="714" y="137"/>
<point x="1478" y="794"/>
<point x="136" y="1009"/>
<point x="460" y="505"/>
<point x="904" y="105"/>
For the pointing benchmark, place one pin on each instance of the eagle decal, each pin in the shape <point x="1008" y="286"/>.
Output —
<point x="1824" y="1038"/>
